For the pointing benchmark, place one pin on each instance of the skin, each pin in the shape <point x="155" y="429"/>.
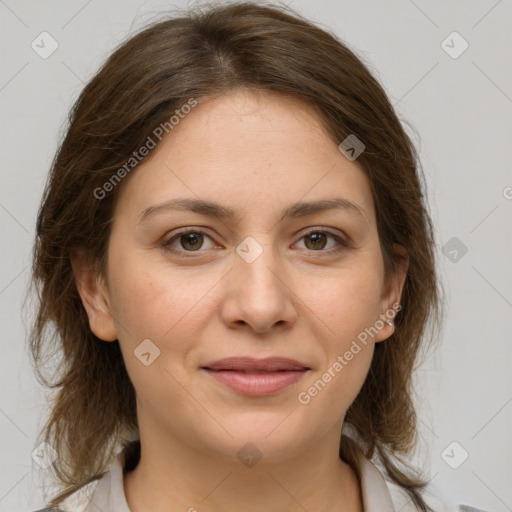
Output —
<point x="255" y="152"/>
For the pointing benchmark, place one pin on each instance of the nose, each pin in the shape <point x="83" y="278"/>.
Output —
<point x="258" y="295"/>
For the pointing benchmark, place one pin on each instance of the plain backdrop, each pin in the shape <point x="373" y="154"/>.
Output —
<point x="459" y="101"/>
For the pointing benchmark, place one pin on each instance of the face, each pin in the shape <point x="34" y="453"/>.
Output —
<point x="190" y="286"/>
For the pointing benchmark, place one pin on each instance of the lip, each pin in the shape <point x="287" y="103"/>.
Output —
<point x="256" y="377"/>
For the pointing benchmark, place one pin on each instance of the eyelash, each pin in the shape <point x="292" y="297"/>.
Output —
<point x="191" y="254"/>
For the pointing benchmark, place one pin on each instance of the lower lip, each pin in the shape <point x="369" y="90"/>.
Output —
<point x="257" y="384"/>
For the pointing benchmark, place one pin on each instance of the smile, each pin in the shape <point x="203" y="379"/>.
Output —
<point x="256" y="377"/>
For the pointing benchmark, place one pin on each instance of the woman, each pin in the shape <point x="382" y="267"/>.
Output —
<point x="234" y="250"/>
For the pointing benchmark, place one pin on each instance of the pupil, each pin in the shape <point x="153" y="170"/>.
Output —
<point x="316" y="237"/>
<point x="191" y="239"/>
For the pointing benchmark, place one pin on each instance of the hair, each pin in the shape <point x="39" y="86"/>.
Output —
<point x="199" y="53"/>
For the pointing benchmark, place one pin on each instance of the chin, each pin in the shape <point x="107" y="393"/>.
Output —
<point x="272" y="437"/>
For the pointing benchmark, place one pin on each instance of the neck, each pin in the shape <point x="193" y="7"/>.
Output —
<point x="181" y="478"/>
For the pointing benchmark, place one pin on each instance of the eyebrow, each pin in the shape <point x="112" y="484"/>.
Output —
<point x="215" y="210"/>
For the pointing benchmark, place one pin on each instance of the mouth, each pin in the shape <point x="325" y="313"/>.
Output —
<point x="256" y="377"/>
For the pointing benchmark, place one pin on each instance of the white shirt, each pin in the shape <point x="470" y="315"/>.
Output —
<point x="107" y="493"/>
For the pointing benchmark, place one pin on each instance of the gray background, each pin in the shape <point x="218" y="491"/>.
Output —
<point x="461" y="108"/>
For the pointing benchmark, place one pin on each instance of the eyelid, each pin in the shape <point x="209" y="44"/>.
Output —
<point x="342" y="240"/>
<point x="325" y="229"/>
<point x="166" y="243"/>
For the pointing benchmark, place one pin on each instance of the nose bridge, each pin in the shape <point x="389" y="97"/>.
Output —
<point x="259" y="295"/>
<point x="256" y="265"/>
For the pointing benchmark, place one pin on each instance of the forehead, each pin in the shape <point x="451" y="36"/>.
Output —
<point x="247" y="148"/>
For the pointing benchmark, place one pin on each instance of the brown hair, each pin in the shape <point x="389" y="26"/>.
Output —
<point x="196" y="54"/>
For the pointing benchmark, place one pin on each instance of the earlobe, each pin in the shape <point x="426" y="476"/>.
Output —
<point x="94" y="294"/>
<point x="391" y="296"/>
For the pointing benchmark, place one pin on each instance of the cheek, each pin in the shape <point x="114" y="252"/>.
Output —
<point x="150" y="300"/>
<point x="332" y="389"/>
<point x="348" y="350"/>
<point x="346" y="309"/>
<point x="347" y="302"/>
<point x="169" y="308"/>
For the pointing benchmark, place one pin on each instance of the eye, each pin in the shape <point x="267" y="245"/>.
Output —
<point x="315" y="240"/>
<point x="188" y="241"/>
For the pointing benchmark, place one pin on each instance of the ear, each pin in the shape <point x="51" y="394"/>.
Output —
<point x="94" y="295"/>
<point x="392" y="292"/>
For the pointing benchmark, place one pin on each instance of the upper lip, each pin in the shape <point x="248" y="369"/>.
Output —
<point x="250" y="364"/>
